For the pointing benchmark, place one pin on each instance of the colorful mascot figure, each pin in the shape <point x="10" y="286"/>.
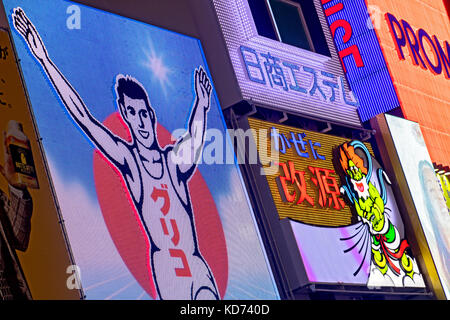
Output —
<point x="388" y="249"/>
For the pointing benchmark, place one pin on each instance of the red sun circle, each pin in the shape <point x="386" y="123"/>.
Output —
<point x="126" y="229"/>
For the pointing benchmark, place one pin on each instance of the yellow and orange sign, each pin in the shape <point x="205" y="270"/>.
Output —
<point x="306" y="187"/>
<point x="33" y="234"/>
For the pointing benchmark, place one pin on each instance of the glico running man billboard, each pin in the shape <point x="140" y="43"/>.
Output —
<point x="145" y="217"/>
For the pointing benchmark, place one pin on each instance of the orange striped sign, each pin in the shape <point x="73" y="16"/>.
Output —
<point x="306" y="187"/>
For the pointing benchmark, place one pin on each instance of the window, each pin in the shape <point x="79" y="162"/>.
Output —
<point x="294" y="22"/>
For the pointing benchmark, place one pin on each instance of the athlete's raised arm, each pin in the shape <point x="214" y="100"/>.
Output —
<point x="110" y="145"/>
<point x="188" y="149"/>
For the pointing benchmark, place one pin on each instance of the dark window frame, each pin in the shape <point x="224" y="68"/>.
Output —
<point x="266" y="25"/>
<point x="302" y="19"/>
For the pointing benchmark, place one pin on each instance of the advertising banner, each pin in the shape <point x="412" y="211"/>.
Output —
<point x="341" y="209"/>
<point x="311" y="154"/>
<point x="397" y="56"/>
<point x="361" y="56"/>
<point x="34" y="257"/>
<point x="425" y="191"/>
<point x="130" y="120"/>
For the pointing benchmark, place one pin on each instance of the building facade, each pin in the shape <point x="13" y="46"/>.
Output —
<point x="302" y="189"/>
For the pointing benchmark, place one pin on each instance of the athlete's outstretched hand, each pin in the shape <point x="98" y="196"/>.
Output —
<point x="203" y="88"/>
<point x="26" y="29"/>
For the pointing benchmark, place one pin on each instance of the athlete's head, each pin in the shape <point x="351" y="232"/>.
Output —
<point x="352" y="166"/>
<point x="135" y="109"/>
<point x="351" y="163"/>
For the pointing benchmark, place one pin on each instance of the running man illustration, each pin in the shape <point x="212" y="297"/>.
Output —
<point x="390" y="261"/>
<point x="156" y="178"/>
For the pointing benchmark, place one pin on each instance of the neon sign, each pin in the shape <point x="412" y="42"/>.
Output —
<point x="281" y="142"/>
<point x="352" y="50"/>
<point x="325" y="182"/>
<point x="305" y="185"/>
<point x="404" y="35"/>
<point x="341" y="209"/>
<point x="293" y="183"/>
<point x="361" y="56"/>
<point x="270" y="70"/>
